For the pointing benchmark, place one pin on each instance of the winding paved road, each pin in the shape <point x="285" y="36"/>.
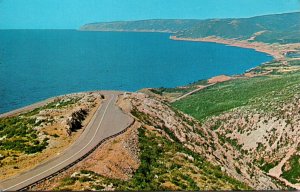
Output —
<point x="109" y="120"/>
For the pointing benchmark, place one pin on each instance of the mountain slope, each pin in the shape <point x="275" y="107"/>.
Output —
<point x="259" y="117"/>
<point x="282" y="28"/>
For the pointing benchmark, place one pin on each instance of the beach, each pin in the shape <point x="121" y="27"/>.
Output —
<point x="278" y="51"/>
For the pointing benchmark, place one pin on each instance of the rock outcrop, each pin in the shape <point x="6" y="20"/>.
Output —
<point x="74" y="122"/>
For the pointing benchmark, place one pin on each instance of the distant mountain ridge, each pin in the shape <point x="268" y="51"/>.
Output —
<point x="276" y="28"/>
<point x="155" y="25"/>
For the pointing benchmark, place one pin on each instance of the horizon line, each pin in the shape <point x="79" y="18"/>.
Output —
<point x="149" y="19"/>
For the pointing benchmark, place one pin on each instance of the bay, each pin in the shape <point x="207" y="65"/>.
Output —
<point x="38" y="64"/>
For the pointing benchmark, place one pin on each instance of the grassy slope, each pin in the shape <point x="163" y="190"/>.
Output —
<point x="240" y="92"/>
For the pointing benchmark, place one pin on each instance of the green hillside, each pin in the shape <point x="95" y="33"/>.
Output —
<point x="168" y="25"/>
<point x="225" y="96"/>
<point x="273" y="25"/>
<point x="282" y="28"/>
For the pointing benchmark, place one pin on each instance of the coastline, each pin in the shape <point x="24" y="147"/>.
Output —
<point x="27" y="107"/>
<point x="129" y="31"/>
<point x="40" y="103"/>
<point x="272" y="50"/>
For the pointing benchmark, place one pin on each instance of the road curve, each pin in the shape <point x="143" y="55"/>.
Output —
<point x="109" y="120"/>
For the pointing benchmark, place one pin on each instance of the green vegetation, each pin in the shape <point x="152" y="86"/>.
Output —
<point x="266" y="166"/>
<point x="217" y="125"/>
<point x="279" y="28"/>
<point x="182" y="90"/>
<point x="18" y="135"/>
<point x="162" y="90"/>
<point x="232" y="142"/>
<point x="68" y="180"/>
<point x="240" y="92"/>
<point x="293" y="173"/>
<point x="57" y="104"/>
<point x="161" y="164"/>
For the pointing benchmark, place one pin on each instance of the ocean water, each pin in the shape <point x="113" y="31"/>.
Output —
<point x="38" y="64"/>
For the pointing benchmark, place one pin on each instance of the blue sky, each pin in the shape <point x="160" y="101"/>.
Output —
<point x="71" y="14"/>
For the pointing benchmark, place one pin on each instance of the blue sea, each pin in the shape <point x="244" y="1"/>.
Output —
<point x="38" y="64"/>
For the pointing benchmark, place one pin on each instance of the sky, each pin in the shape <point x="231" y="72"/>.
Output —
<point x="71" y="14"/>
